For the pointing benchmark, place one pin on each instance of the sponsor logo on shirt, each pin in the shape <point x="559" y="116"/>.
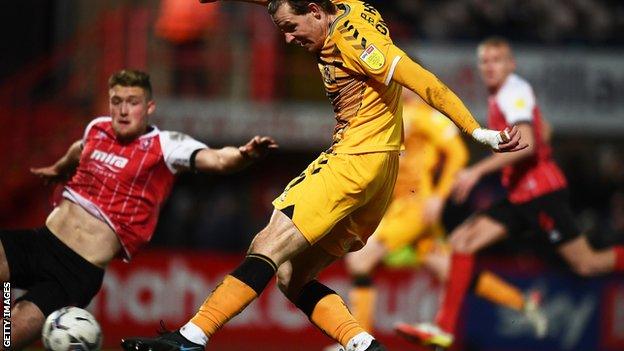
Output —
<point x="373" y="57"/>
<point x="145" y="144"/>
<point x="112" y="161"/>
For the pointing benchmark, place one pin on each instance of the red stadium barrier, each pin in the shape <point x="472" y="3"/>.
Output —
<point x="170" y="285"/>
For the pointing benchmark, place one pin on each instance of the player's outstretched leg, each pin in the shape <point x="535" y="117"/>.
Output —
<point x="235" y="292"/>
<point x="490" y="287"/>
<point x="442" y="333"/>
<point x="275" y="244"/>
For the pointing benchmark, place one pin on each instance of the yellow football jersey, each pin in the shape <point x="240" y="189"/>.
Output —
<point x="357" y="63"/>
<point x="427" y="134"/>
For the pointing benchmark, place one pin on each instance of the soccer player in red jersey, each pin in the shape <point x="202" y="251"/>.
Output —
<point x="537" y="196"/>
<point x="119" y="175"/>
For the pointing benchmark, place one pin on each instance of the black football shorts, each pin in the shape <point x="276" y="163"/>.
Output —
<point x="548" y="215"/>
<point x="52" y="274"/>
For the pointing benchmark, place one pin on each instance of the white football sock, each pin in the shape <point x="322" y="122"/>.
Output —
<point x="360" y="342"/>
<point x="194" y="334"/>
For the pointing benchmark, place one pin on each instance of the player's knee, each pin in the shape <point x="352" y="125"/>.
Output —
<point x="469" y="248"/>
<point x="264" y="244"/>
<point x="585" y="267"/>
<point x="357" y="264"/>
<point x="458" y="246"/>
<point x="458" y="233"/>
<point x="27" y="321"/>
<point x="4" y="265"/>
<point x="460" y="243"/>
<point x="284" y="273"/>
<point x="279" y="242"/>
<point x="581" y="268"/>
<point x="261" y="241"/>
<point x="290" y="282"/>
<point x="364" y="261"/>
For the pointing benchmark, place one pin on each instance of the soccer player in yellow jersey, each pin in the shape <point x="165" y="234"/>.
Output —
<point x="335" y="204"/>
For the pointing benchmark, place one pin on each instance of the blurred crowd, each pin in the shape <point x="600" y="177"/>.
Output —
<point x="545" y="21"/>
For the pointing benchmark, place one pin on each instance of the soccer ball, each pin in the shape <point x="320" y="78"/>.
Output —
<point x="71" y="328"/>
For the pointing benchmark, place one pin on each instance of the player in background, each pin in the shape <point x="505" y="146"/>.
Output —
<point x="334" y="205"/>
<point x="537" y="195"/>
<point x="434" y="154"/>
<point x="119" y="175"/>
<point x="433" y="145"/>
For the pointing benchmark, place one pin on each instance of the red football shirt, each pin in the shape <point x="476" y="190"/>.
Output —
<point x="515" y="103"/>
<point x="125" y="185"/>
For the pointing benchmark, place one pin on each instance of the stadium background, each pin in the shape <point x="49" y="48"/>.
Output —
<point x="223" y="74"/>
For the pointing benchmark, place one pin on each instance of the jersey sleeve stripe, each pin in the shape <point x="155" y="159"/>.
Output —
<point x="392" y="68"/>
<point x="347" y="10"/>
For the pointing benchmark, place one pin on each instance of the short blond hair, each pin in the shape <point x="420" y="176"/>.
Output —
<point x="132" y="78"/>
<point x="494" y="41"/>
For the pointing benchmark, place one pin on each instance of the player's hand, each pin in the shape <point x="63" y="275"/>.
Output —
<point x="258" y="147"/>
<point x="500" y="141"/>
<point x="49" y="174"/>
<point x="433" y="209"/>
<point x="464" y="183"/>
<point x="510" y="140"/>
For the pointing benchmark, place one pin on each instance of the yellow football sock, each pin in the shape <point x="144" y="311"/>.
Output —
<point x="225" y="302"/>
<point x="332" y="316"/>
<point x="362" y="300"/>
<point x="493" y="288"/>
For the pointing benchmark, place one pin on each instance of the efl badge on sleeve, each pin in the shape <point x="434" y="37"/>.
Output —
<point x="373" y="57"/>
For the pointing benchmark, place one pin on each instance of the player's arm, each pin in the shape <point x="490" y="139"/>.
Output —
<point x="414" y="77"/>
<point x="231" y="159"/>
<point x="469" y="177"/>
<point x="64" y="167"/>
<point x="496" y="162"/>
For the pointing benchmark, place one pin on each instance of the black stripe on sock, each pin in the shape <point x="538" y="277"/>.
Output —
<point x="256" y="271"/>
<point x="310" y="295"/>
